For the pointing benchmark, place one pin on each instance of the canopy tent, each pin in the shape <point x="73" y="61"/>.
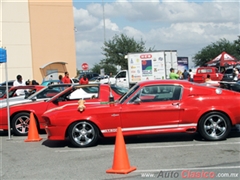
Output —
<point x="59" y="66"/>
<point x="223" y="59"/>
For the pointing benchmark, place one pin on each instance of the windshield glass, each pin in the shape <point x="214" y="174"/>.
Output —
<point x="119" y="90"/>
<point x="229" y="71"/>
<point x="2" y="91"/>
<point x="128" y="94"/>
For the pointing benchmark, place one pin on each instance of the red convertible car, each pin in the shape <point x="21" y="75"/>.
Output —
<point x="67" y="95"/>
<point x="150" y="107"/>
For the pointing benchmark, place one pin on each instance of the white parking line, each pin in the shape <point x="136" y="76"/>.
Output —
<point x="180" y="169"/>
<point x="147" y="147"/>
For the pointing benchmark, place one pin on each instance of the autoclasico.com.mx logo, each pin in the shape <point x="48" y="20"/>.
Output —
<point x="187" y="174"/>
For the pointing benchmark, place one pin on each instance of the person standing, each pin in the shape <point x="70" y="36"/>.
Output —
<point x="190" y="75"/>
<point x="173" y="75"/>
<point x="66" y="79"/>
<point x="180" y="74"/>
<point x="235" y="74"/>
<point x="83" y="80"/>
<point x="19" y="82"/>
<point x="185" y="75"/>
<point x="60" y="79"/>
<point x="208" y="79"/>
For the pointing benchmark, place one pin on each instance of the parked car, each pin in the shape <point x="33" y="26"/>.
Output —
<point x="10" y="83"/>
<point x="89" y="75"/>
<point x="28" y="89"/>
<point x="43" y="94"/>
<point x="56" y="81"/>
<point x="228" y="75"/>
<point x="20" y="113"/>
<point x="234" y="86"/>
<point x="3" y="91"/>
<point x="14" y="99"/>
<point x="202" y="72"/>
<point x="149" y="107"/>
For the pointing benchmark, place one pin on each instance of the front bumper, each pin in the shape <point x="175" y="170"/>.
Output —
<point x="55" y="132"/>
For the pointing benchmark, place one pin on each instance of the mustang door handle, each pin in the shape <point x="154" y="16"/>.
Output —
<point x="175" y="104"/>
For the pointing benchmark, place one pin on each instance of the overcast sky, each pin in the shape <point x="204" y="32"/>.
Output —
<point x="185" y="26"/>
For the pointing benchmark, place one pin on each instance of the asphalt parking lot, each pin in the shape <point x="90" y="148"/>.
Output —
<point x="178" y="156"/>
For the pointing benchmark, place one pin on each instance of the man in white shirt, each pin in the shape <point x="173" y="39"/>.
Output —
<point x="19" y="82"/>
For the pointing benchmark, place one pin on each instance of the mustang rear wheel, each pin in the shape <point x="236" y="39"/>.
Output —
<point x="20" y="124"/>
<point x="83" y="134"/>
<point x="214" y="126"/>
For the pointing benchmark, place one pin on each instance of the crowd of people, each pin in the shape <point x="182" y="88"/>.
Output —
<point x="188" y="75"/>
<point x="185" y="75"/>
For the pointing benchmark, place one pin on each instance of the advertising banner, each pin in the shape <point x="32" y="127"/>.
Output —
<point x="182" y="63"/>
<point x="146" y="66"/>
<point x="3" y="55"/>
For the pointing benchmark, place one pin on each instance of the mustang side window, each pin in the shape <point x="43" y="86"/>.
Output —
<point x="168" y="93"/>
<point x="149" y="93"/>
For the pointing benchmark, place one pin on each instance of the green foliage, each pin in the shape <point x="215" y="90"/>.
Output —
<point x="108" y="68"/>
<point x="78" y="72"/>
<point x="116" y="49"/>
<point x="213" y="50"/>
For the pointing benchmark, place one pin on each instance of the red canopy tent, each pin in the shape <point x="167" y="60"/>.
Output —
<point x="223" y="59"/>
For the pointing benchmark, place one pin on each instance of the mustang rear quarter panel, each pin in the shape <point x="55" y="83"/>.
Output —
<point x="195" y="106"/>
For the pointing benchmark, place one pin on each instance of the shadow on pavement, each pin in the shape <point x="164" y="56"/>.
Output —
<point x="156" y="138"/>
<point x="159" y="138"/>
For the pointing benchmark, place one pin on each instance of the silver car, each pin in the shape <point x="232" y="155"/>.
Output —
<point x="45" y="93"/>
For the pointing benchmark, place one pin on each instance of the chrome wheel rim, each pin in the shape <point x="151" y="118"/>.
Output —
<point x="83" y="133"/>
<point x="22" y="124"/>
<point x="215" y="126"/>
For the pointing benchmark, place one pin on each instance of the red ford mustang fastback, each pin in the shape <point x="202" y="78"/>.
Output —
<point x="150" y="107"/>
<point x="20" y="113"/>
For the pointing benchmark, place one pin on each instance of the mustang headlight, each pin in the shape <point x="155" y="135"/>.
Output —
<point x="218" y="91"/>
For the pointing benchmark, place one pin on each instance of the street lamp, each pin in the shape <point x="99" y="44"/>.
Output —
<point x="104" y="34"/>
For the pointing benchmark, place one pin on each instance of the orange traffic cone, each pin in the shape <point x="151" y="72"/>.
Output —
<point x="33" y="132"/>
<point x="120" y="162"/>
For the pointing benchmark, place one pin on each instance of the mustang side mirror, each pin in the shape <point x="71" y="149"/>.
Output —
<point x="137" y="101"/>
<point x="34" y="98"/>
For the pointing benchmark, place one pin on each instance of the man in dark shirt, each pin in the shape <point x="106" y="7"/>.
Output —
<point x="185" y="74"/>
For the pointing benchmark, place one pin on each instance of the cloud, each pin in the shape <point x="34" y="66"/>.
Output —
<point x="183" y="26"/>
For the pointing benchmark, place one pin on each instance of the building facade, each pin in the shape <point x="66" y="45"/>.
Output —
<point x="36" y="33"/>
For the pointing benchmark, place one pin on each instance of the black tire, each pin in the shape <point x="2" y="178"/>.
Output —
<point x="214" y="126"/>
<point x="20" y="124"/>
<point x="83" y="134"/>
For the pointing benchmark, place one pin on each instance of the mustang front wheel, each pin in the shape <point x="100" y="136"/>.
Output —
<point x="83" y="134"/>
<point x="214" y="126"/>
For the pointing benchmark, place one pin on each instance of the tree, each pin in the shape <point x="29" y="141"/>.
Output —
<point x="237" y="48"/>
<point x="213" y="50"/>
<point x="116" y="49"/>
<point x="108" y="68"/>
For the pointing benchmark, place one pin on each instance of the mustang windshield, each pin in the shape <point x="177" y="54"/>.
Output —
<point x="129" y="93"/>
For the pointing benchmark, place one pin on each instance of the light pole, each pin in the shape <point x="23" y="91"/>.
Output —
<point x="104" y="34"/>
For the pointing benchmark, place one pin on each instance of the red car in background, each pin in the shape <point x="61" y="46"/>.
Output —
<point x="150" y="107"/>
<point x="20" y="113"/>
